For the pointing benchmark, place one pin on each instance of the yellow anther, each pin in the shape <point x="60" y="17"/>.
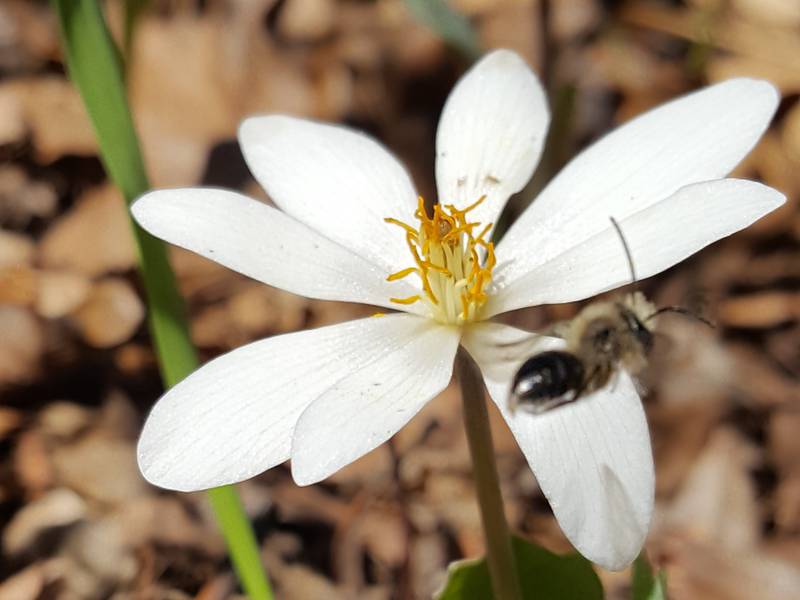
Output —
<point x="401" y="274"/>
<point x="409" y="300"/>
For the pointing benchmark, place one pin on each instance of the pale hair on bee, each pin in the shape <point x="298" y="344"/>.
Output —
<point x="605" y="336"/>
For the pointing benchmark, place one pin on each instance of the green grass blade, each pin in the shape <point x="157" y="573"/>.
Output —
<point x="452" y="27"/>
<point x="94" y="66"/>
<point x="241" y="540"/>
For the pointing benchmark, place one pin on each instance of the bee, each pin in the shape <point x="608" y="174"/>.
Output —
<point x="606" y="336"/>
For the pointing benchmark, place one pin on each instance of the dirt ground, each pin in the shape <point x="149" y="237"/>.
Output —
<point x="78" y="375"/>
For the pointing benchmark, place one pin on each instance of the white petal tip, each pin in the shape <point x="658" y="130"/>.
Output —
<point x="164" y="478"/>
<point x="501" y="55"/>
<point x="142" y="207"/>
<point x="766" y="90"/>
<point x="304" y="479"/>
<point x="256" y="128"/>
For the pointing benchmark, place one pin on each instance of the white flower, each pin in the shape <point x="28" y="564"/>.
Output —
<point x="347" y="220"/>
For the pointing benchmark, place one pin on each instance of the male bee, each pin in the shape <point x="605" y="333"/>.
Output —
<point x="605" y="336"/>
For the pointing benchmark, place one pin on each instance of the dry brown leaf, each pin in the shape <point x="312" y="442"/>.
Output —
<point x="111" y="314"/>
<point x="10" y="419"/>
<point x="307" y="20"/>
<point x="784" y="450"/>
<point x="22" y="199"/>
<point x="101" y="467"/>
<point x="784" y="75"/>
<point x="384" y="535"/>
<point x="100" y="559"/>
<point x="12" y="123"/>
<point x="773" y="12"/>
<point x="93" y="238"/>
<point x="30" y="37"/>
<point x="60" y="292"/>
<point x="165" y="520"/>
<point x="790" y="138"/>
<point x="761" y="384"/>
<point x="518" y="28"/>
<point x="713" y="572"/>
<point x="18" y="285"/>
<point x="771" y="44"/>
<point x="21" y="345"/>
<point x="717" y="502"/>
<point x="54" y="114"/>
<point x="32" y="464"/>
<point x="16" y="249"/>
<point x="62" y="420"/>
<point x="763" y="309"/>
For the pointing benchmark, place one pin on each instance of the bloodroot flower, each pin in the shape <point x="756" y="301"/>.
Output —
<point x="350" y="227"/>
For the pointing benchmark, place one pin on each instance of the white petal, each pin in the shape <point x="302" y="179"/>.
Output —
<point x="592" y="458"/>
<point x="658" y="237"/>
<point x="263" y="243"/>
<point x="490" y="135"/>
<point x="233" y="418"/>
<point x="698" y="137"/>
<point x="339" y="182"/>
<point x="370" y="405"/>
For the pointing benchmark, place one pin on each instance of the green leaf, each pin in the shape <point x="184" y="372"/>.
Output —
<point x="646" y="585"/>
<point x="542" y="576"/>
<point x="452" y="27"/>
<point x="94" y="66"/>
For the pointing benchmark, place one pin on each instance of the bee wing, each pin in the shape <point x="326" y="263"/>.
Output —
<point x="592" y="459"/>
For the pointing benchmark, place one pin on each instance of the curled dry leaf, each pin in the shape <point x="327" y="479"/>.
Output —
<point x="26" y="584"/>
<point x="57" y="508"/>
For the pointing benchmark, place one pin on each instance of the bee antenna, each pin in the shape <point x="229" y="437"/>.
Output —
<point x="682" y="311"/>
<point x="625" y="247"/>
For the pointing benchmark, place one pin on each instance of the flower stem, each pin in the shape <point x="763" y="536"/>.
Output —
<point x="499" y="554"/>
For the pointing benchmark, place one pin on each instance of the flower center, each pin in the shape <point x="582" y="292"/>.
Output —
<point x="453" y="264"/>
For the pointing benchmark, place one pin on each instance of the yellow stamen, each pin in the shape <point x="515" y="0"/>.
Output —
<point x="445" y="252"/>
